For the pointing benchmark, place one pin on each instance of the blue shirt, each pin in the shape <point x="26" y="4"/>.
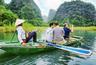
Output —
<point x="66" y="32"/>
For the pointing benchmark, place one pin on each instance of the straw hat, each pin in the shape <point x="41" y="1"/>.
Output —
<point x="19" y="21"/>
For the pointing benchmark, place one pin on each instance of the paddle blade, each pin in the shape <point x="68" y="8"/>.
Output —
<point x="72" y="49"/>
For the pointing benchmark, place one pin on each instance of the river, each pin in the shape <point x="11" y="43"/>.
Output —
<point x="54" y="57"/>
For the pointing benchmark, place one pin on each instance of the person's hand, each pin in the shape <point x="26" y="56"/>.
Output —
<point x="72" y="28"/>
<point x="23" y="44"/>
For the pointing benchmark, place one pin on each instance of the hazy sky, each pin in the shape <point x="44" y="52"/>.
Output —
<point x="46" y="5"/>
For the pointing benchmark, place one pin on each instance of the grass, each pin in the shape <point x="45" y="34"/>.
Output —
<point x="91" y="28"/>
<point x="28" y="27"/>
<point x="10" y="28"/>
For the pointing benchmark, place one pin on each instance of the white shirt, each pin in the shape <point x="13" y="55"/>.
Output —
<point x="21" y="34"/>
<point x="49" y="34"/>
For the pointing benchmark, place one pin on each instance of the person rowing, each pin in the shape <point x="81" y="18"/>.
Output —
<point x="67" y="31"/>
<point x="22" y="36"/>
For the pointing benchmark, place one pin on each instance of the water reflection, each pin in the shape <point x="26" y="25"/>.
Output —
<point x="88" y="38"/>
<point x="57" y="57"/>
<point x="1" y="37"/>
<point x="5" y="37"/>
<point x="41" y="61"/>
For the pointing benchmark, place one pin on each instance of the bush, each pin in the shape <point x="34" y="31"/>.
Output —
<point x="6" y="16"/>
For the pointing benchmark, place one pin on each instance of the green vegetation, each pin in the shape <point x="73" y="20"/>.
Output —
<point x="76" y="12"/>
<point x="90" y="28"/>
<point x="1" y="2"/>
<point x="27" y="27"/>
<point x="25" y="9"/>
<point x="6" y="16"/>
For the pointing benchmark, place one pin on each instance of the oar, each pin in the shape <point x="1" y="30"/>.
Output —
<point x="72" y="49"/>
<point x="12" y="37"/>
<point x="11" y="40"/>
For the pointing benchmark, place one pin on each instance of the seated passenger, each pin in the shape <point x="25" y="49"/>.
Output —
<point x="49" y="33"/>
<point x="58" y="34"/>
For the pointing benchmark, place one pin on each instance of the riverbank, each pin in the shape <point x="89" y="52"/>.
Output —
<point x="90" y="28"/>
<point x="29" y="27"/>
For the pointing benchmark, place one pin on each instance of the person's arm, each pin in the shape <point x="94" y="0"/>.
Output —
<point x="20" y="37"/>
<point x="53" y="35"/>
<point x="62" y="32"/>
<point x="21" y="34"/>
<point x="44" y="36"/>
<point x="72" y="28"/>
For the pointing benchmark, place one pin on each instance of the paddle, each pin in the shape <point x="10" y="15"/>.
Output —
<point x="72" y="49"/>
<point x="13" y="38"/>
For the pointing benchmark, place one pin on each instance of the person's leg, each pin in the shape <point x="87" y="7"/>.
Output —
<point x="65" y="37"/>
<point x="32" y="35"/>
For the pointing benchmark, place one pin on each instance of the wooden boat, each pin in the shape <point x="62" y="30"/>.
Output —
<point x="30" y="48"/>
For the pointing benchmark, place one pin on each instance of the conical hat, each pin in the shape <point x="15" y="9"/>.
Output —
<point x="19" y="21"/>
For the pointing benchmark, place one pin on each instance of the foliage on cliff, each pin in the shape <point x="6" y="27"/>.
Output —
<point x="76" y="12"/>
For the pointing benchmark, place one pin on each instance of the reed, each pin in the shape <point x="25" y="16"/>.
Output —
<point x="91" y="28"/>
<point x="27" y="27"/>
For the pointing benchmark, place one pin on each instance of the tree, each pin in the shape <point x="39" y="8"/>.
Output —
<point x="6" y="16"/>
<point x="16" y="6"/>
<point x="36" y="22"/>
<point x="82" y="13"/>
<point x="1" y="2"/>
<point x="25" y="9"/>
<point x="27" y="13"/>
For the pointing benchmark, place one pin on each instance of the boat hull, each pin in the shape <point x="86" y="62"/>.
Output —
<point x="27" y="50"/>
<point x="17" y="48"/>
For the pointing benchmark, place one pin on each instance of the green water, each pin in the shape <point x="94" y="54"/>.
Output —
<point x="56" y="57"/>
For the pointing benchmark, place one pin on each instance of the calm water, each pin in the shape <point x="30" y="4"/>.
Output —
<point x="56" y="57"/>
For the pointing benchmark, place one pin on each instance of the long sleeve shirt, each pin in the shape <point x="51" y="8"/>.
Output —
<point x="58" y="34"/>
<point x="49" y="34"/>
<point x="21" y="34"/>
